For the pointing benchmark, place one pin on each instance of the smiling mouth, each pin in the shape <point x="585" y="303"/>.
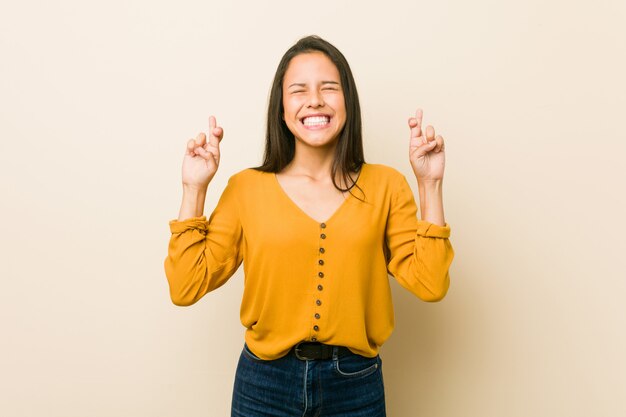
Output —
<point x="316" y="121"/>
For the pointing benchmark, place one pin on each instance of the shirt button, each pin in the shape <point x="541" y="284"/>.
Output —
<point x="322" y="250"/>
<point x="320" y="274"/>
<point x="323" y="225"/>
<point x="314" y="339"/>
<point x="319" y="287"/>
<point x="316" y="327"/>
<point x="323" y="236"/>
<point x="318" y="302"/>
<point x="317" y="315"/>
<point x="321" y="262"/>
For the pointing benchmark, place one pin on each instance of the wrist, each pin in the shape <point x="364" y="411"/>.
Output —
<point x="431" y="201"/>
<point x="199" y="190"/>
<point x="430" y="184"/>
<point x="193" y="202"/>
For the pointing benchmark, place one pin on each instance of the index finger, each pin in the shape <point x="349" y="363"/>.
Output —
<point x="416" y="131"/>
<point x="212" y="124"/>
<point x="214" y="139"/>
<point x="418" y="116"/>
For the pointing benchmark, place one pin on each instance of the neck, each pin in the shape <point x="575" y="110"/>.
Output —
<point x="316" y="163"/>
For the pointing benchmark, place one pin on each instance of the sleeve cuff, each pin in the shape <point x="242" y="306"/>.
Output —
<point x="428" y="229"/>
<point x="198" y="223"/>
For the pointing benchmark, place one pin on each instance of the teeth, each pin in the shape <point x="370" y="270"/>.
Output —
<point x="316" y="120"/>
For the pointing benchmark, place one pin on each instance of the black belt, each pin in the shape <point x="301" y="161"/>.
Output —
<point x="317" y="350"/>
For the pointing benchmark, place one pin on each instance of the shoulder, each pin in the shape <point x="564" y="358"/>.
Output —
<point x="382" y="170"/>
<point x="383" y="174"/>
<point x="248" y="176"/>
<point x="387" y="182"/>
<point x="250" y="185"/>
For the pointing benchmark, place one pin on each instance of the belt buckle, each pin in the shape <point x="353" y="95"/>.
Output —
<point x="297" y="352"/>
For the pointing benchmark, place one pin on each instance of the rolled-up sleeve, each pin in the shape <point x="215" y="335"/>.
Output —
<point x="203" y="255"/>
<point x="420" y="251"/>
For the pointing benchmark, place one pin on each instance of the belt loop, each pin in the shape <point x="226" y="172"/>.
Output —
<point x="335" y="352"/>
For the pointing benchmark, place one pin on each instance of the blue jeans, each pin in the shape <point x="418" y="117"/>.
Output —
<point x="341" y="386"/>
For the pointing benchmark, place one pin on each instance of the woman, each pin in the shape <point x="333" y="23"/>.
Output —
<point x="318" y="230"/>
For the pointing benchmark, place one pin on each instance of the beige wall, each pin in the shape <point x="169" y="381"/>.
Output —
<point x="98" y="100"/>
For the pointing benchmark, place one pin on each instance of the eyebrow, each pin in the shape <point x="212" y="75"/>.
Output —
<point x="304" y="85"/>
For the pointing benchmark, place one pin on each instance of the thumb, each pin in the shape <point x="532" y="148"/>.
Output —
<point x="425" y="148"/>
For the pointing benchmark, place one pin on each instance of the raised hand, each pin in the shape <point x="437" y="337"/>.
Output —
<point x="202" y="157"/>
<point x="426" y="151"/>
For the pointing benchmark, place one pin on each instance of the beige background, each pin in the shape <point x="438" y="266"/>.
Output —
<point x="97" y="101"/>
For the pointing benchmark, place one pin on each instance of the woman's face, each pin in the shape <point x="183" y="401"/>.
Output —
<point x="315" y="109"/>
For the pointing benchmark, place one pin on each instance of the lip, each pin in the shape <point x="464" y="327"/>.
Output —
<point x="315" y="114"/>
<point x="326" y="126"/>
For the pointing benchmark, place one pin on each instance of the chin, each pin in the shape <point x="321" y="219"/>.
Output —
<point x="321" y="144"/>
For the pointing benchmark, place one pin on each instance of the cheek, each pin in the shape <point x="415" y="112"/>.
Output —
<point x="291" y="106"/>
<point x="338" y="103"/>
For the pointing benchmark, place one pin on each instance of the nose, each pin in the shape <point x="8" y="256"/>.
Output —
<point x="316" y="99"/>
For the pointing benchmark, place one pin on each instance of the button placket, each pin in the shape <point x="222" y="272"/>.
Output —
<point x="320" y="274"/>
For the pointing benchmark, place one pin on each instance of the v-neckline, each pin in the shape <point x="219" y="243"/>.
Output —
<point x="304" y="213"/>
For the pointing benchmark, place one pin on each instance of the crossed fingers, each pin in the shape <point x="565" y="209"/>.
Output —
<point x="419" y="137"/>
<point x="203" y="147"/>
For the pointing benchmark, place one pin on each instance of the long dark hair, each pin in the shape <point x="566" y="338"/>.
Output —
<point x="279" y="141"/>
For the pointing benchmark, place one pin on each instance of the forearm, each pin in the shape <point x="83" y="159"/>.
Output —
<point x="431" y="201"/>
<point x="192" y="204"/>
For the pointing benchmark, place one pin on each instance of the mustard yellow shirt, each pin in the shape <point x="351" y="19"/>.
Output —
<point x="311" y="281"/>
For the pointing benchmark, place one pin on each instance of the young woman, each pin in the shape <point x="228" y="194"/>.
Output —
<point x="318" y="231"/>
